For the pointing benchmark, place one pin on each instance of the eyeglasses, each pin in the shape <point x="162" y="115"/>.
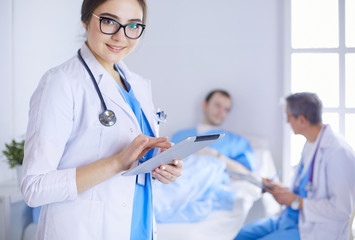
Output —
<point x="110" y="27"/>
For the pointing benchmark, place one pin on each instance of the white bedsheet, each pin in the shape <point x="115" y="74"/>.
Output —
<point x="224" y="225"/>
<point x="219" y="224"/>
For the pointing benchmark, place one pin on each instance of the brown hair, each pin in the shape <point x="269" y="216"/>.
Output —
<point x="89" y="6"/>
<point x="223" y="92"/>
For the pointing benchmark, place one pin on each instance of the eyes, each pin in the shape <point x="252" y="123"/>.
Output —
<point x="110" y="26"/>
<point x="111" y="22"/>
<point x="220" y="106"/>
<point x="108" y="21"/>
<point x="132" y="26"/>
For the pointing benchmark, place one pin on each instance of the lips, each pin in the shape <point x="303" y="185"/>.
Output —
<point x="115" y="48"/>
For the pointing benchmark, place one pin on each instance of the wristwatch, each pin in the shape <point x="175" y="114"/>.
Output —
<point x="295" y="204"/>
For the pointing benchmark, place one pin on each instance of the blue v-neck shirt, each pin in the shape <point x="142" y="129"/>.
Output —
<point x="142" y="215"/>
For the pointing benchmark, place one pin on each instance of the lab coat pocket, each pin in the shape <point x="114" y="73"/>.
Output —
<point x="80" y="219"/>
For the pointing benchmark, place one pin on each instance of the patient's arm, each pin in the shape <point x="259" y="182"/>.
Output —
<point x="232" y="166"/>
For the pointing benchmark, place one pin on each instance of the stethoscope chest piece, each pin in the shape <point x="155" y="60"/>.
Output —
<point x="107" y="118"/>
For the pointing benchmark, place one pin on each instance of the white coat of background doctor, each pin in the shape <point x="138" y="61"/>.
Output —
<point x="72" y="162"/>
<point x="321" y="201"/>
<point x="325" y="212"/>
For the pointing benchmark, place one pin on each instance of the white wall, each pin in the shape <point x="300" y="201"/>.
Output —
<point x="6" y="93"/>
<point x="189" y="48"/>
<point x="38" y="35"/>
<point x="193" y="46"/>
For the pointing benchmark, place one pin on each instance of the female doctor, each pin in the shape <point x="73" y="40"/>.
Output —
<point x="90" y="119"/>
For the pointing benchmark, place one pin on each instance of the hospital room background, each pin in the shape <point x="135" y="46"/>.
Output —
<point x="258" y="50"/>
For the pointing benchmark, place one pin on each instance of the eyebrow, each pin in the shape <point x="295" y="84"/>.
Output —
<point x="116" y="17"/>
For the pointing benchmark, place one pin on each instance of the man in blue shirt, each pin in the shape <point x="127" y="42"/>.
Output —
<point x="202" y="188"/>
<point x="230" y="148"/>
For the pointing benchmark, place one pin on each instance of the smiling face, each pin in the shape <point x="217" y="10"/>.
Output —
<point x="109" y="49"/>
<point x="216" y="109"/>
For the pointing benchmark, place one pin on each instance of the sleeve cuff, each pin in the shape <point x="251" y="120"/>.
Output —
<point x="71" y="183"/>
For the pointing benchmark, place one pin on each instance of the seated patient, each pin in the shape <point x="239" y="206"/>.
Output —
<point x="202" y="188"/>
<point x="320" y="203"/>
<point x="231" y="147"/>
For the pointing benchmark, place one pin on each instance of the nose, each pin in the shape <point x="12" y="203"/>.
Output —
<point x="120" y="35"/>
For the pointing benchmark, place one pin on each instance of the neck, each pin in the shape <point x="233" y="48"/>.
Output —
<point x="115" y="74"/>
<point x="108" y="66"/>
<point x="313" y="132"/>
<point x="203" y="128"/>
<point x="206" y="123"/>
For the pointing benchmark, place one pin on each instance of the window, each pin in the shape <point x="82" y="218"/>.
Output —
<point x="320" y="58"/>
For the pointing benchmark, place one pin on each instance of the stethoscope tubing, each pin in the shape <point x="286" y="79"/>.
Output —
<point x="93" y="80"/>
<point x="107" y="117"/>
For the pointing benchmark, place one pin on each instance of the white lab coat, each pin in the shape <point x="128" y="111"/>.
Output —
<point x="64" y="133"/>
<point x="328" y="208"/>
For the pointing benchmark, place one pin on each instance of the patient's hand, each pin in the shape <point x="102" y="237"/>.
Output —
<point x="168" y="173"/>
<point x="231" y="165"/>
<point x="208" y="151"/>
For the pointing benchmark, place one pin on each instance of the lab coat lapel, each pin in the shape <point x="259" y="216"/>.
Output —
<point x="142" y="91"/>
<point x="110" y="90"/>
<point x="324" y="144"/>
<point x="106" y="83"/>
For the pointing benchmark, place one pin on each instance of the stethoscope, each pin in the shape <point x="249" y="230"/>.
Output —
<point x="309" y="186"/>
<point x="108" y="117"/>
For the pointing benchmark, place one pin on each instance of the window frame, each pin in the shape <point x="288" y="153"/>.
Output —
<point x="341" y="50"/>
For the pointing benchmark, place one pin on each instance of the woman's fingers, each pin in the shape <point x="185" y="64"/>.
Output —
<point x="162" y="143"/>
<point x="138" y="148"/>
<point x="167" y="173"/>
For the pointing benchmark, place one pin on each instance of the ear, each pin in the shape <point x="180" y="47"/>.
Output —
<point x="302" y="119"/>
<point x="204" y="105"/>
<point x="85" y="25"/>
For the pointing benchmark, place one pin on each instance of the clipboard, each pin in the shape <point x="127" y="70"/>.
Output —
<point x="252" y="179"/>
<point x="180" y="150"/>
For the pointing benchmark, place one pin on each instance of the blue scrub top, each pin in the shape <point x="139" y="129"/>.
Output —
<point x="289" y="217"/>
<point x="142" y="215"/>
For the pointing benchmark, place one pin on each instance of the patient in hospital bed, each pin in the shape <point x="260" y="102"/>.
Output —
<point x="206" y="202"/>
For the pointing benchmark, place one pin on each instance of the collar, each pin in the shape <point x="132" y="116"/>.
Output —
<point x="327" y="140"/>
<point x="96" y="68"/>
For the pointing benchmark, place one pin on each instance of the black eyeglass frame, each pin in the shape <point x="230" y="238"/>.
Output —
<point x="120" y="26"/>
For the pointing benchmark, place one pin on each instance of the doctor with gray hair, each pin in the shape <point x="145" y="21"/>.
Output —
<point x="321" y="200"/>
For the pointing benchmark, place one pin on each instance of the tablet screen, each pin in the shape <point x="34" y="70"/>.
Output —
<point x="180" y="150"/>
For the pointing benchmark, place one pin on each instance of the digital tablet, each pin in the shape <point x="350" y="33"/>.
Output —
<point x="180" y="150"/>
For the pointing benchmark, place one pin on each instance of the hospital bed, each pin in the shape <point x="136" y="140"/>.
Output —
<point x="249" y="205"/>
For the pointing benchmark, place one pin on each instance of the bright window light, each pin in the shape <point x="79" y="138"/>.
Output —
<point x="321" y="54"/>
<point x="350" y="79"/>
<point x="350" y="129"/>
<point x="314" y="23"/>
<point x="350" y="23"/>
<point x="332" y="119"/>
<point x="318" y="73"/>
